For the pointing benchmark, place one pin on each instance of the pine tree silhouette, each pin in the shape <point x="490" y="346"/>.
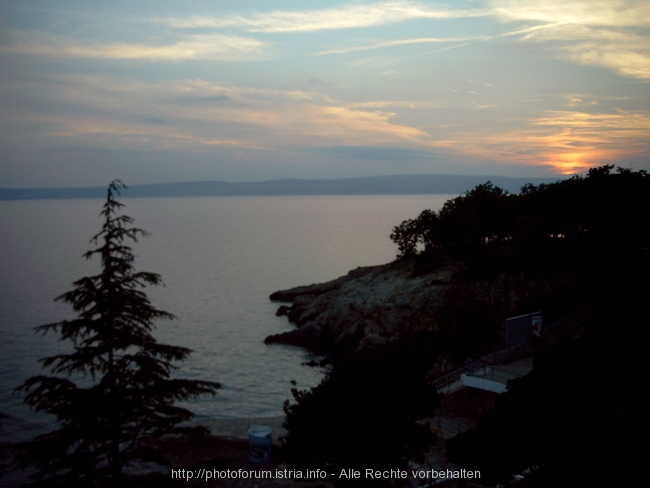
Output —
<point x="115" y="387"/>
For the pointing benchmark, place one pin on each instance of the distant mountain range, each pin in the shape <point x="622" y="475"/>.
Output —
<point x="369" y="185"/>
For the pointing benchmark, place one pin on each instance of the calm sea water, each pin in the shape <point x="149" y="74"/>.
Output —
<point x="220" y="259"/>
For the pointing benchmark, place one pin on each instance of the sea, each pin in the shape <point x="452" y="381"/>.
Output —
<point x="219" y="257"/>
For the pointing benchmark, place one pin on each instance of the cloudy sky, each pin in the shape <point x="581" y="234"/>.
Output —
<point x="154" y="91"/>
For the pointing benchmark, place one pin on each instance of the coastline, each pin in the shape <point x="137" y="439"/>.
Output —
<point x="368" y="307"/>
<point x="237" y="428"/>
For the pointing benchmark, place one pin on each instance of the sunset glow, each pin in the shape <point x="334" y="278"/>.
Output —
<point x="249" y="92"/>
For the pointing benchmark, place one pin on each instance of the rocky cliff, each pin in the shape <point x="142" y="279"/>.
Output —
<point x="368" y="306"/>
<point x="377" y="305"/>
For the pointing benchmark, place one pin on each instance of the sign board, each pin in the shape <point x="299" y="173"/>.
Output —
<point x="523" y="328"/>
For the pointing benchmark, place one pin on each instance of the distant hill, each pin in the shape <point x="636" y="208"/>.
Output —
<point x="370" y="185"/>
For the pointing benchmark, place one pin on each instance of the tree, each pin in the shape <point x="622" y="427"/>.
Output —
<point x="557" y="421"/>
<point x="364" y="414"/>
<point x="476" y="218"/>
<point x="414" y="233"/>
<point x="115" y="387"/>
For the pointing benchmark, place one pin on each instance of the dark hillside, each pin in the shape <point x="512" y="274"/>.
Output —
<point x="575" y="245"/>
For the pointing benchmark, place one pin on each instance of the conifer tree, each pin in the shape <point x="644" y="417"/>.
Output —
<point x="115" y="386"/>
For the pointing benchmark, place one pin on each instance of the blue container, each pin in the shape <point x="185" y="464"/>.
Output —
<point x="260" y="444"/>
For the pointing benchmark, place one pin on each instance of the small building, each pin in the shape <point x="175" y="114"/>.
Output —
<point x="523" y="328"/>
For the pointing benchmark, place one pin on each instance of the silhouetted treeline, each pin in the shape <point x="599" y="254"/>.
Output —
<point x="576" y="419"/>
<point x="602" y="211"/>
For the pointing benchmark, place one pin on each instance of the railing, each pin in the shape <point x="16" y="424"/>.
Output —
<point x="495" y="374"/>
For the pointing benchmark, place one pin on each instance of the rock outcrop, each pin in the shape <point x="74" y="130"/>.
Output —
<point x="369" y="306"/>
<point x="377" y="305"/>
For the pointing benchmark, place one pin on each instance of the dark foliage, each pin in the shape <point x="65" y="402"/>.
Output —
<point x="363" y="414"/>
<point x="467" y="326"/>
<point x="115" y="386"/>
<point x="564" y="224"/>
<point x="577" y="418"/>
<point x="417" y="234"/>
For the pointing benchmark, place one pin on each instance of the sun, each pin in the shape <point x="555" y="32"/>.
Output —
<point x="569" y="163"/>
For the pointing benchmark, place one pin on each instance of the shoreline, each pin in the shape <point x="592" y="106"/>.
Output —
<point x="237" y="428"/>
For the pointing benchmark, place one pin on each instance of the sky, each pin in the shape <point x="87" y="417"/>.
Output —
<point x="159" y="91"/>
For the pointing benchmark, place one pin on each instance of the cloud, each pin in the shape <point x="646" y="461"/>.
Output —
<point x="626" y="52"/>
<point x="193" y="47"/>
<point x="624" y="61"/>
<point x="585" y="32"/>
<point x="396" y="42"/>
<point x="104" y="111"/>
<point x="524" y="33"/>
<point x="412" y="104"/>
<point x="464" y="41"/>
<point x="361" y="125"/>
<point x="570" y="141"/>
<point x="586" y="122"/>
<point x="581" y="100"/>
<point x="607" y="33"/>
<point x="344" y="17"/>
<point x="590" y="12"/>
<point x="100" y="133"/>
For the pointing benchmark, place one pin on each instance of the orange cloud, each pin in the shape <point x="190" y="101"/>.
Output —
<point x="568" y="141"/>
<point x="197" y="115"/>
